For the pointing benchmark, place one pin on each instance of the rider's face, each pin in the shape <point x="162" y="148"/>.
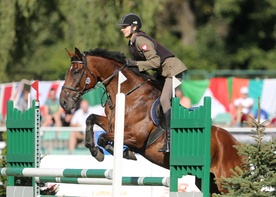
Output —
<point x="126" y="30"/>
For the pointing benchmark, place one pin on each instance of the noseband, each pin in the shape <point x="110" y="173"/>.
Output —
<point x="79" y="93"/>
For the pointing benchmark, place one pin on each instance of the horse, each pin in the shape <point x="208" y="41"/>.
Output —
<point x="141" y="134"/>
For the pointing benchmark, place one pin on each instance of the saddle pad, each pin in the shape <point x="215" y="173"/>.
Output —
<point x="153" y="112"/>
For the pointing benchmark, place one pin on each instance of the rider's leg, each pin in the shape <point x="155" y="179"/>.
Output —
<point x="165" y="101"/>
<point x="166" y="146"/>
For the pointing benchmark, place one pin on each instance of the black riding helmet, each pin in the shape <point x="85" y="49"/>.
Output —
<point x="131" y="19"/>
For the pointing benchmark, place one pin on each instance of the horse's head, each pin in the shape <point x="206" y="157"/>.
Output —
<point x="77" y="81"/>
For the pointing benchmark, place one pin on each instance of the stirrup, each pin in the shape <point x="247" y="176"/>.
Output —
<point x="165" y="148"/>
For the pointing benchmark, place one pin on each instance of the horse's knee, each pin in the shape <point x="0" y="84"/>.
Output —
<point x="91" y="120"/>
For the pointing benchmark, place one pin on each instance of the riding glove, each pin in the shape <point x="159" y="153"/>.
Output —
<point x="130" y="62"/>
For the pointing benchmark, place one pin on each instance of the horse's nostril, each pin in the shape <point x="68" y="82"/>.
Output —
<point x="63" y="104"/>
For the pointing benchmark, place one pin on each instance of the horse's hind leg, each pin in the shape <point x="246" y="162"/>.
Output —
<point x="89" y="138"/>
<point x="129" y="154"/>
<point x="213" y="186"/>
<point x="109" y="146"/>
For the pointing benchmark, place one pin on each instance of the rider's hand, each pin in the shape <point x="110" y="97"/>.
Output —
<point x="130" y="62"/>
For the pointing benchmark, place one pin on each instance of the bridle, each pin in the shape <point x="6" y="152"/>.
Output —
<point x="84" y="90"/>
<point x="85" y="72"/>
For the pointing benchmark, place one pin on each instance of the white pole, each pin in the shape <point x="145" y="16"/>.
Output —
<point x="175" y="83"/>
<point x="29" y="100"/>
<point x="118" y="140"/>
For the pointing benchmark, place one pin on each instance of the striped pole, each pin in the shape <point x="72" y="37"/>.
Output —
<point x="146" y="181"/>
<point x="129" y="181"/>
<point x="51" y="172"/>
<point x="88" y="181"/>
<point x="81" y="176"/>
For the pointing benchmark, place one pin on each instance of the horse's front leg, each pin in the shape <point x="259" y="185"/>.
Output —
<point x="106" y="140"/>
<point x="89" y="135"/>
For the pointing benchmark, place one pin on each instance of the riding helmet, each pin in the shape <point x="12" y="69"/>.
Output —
<point x="131" y="19"/>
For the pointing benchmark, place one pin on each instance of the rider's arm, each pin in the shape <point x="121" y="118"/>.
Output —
<point x="146" y="47"/>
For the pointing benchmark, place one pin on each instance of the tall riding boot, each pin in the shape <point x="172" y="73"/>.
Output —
<point x="166" y="147"/>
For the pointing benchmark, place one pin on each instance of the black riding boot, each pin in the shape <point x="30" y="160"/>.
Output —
<point x="166" y="147"/>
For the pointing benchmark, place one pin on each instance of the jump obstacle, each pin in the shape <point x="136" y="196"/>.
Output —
<point x="75" y="175"/>
<point x="190" y="153"/>
<point x="190" y="145"/>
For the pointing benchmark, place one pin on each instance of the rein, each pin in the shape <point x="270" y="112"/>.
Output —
<point x="138" y="86"/>
<point x="113" y="75"/>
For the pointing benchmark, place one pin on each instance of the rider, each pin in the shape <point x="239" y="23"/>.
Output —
<point x="148" y="55"/>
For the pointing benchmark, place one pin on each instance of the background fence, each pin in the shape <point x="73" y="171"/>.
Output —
<point x="54" y="140"/>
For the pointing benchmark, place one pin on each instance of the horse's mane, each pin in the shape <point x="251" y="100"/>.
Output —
<point x="121" y="58"/>
<point x="116" y="56"/>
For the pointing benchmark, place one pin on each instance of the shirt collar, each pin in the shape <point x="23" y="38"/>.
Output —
<point x="133" y="39"/>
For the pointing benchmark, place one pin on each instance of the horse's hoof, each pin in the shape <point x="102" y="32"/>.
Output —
<point x="100" y="155"/>
<point x="128" y="154"/>
<point x="109" y="148"/>
<point x="97" y="153"/>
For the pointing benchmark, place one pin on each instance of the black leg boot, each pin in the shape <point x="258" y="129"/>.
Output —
<point x="166" y="147"/>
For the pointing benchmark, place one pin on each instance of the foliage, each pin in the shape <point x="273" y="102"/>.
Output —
<point x="257" y="177"/>
<point x="7" y="32"/>
<point x="3" y="163"/>
<point x="251" y="33"/>
<point x="205" y="34"/>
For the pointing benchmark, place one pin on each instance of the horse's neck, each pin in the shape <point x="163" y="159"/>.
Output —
<point x="108" y="71"/>
<point x="112" y="84"/>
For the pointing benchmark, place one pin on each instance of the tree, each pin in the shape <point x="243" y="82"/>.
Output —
<point x="7" y="32"/>
<point x="258" y="175"/>
<point x="232" y="34"/>
<point x="35" y="26"/>
<point x="251" y="32"/>
<point x="205" y="34"/>
<point x="43" y="29"/>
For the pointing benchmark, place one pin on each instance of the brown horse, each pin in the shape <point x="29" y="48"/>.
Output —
<point x="141" y="135"/>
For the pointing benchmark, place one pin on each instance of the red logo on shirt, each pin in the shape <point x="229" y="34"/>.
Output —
<point x="145" y="47"/>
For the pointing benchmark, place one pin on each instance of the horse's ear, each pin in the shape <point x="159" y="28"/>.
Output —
<point x="70" y="53"/>
<point x="78" y="53"/>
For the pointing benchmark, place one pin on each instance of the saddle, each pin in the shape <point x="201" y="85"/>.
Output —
<point x="157" y="117"/>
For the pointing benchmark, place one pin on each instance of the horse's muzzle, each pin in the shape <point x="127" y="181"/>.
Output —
<point x="67" y="103"/>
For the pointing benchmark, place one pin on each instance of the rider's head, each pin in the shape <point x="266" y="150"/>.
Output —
<point x="130" y="23"/>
